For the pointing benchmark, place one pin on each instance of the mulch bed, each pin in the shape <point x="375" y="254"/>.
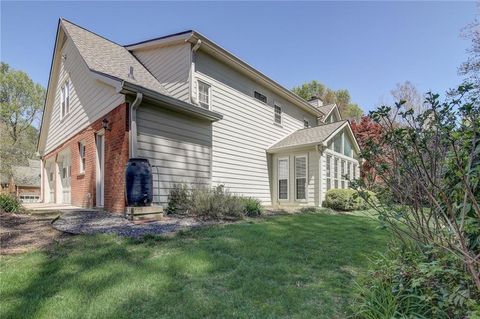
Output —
<point x="21" y="233"/>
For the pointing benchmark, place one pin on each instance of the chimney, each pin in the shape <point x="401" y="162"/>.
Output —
<point x="315" y="101"/>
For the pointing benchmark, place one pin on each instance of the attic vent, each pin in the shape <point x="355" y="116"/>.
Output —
<point x="130" y="73"/>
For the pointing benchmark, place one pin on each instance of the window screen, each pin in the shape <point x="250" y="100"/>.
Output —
<point x="278" y="114"/>
<point x="283" y="179"/>
<point x="301" y="177"/>
<point x="204" y="94"/>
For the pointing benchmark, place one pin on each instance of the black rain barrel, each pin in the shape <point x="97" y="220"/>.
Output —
<point x="139" y="182"/>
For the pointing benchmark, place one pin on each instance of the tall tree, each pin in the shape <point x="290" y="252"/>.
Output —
<point x="407" y="92"/>
<point x="471" y="68"/>
<point x="21" y="104"/>
<point x="342" y="98"/>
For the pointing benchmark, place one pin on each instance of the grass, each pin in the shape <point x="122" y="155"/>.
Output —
<point x="296" y="266"/>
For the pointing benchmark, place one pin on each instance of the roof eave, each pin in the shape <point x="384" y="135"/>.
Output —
<point x="273" y="150"/>
<point x="170" y="102"/>
<point x="161" y="41"/>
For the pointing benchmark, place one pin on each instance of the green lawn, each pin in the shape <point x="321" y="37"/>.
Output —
<point x="298" y="266"/>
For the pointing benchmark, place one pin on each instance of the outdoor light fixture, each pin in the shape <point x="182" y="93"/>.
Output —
<point x="105" y="125"/>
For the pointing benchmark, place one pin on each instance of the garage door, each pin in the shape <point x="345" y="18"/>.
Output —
<point x="177" y="146"/>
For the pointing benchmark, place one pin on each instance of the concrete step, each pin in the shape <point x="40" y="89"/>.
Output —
<point x="145" y="213"/>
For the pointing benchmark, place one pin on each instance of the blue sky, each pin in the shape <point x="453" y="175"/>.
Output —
<point x="365" y="47"/>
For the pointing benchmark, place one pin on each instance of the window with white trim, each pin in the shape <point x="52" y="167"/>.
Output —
<point x="278" y="114"/>
<point x="342" y="176"/>
<point x="329" y="172"/>
<point x="283" y="178"/>
<point x="301" y="169"/>
<point x="306" y="124"/>
<point x="81" y="149"/>
<point x="335" y="171"/>
<point x="65" y="98"/>
<point x="204" y="94"/>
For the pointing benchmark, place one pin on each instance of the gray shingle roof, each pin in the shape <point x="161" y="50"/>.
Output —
<point x="27" y="175"/>
<point x="308" y="136"/>
<point x="325" y="109"/>
<point x="104" y="56"/>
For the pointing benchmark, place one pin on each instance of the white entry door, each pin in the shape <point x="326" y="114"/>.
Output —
<point x="65" y="175"/>
<point x="100" y="169"/>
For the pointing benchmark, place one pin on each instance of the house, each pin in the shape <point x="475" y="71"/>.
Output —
<point x="24" y="182"/>
<point x="198" y="113"/>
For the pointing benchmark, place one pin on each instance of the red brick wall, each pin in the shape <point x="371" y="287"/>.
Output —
<point x="83" y="185"/>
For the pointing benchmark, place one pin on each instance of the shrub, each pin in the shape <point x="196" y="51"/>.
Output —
<point x="252" y="207"/>
<point x="178" y="200"/>
<point x="412" y="282"/>
<point x="9" y="204"/>
<point x="211" y="203"/>
<point x="345" y="200"/>
<point x="308" y="209"/>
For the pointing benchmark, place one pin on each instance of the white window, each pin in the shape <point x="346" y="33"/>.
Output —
<point x="329" y="172"/>
<point x="342" y="177"/>
<point x="204" y="94"/>
<point x="283" y="178"/>
<point x="65" y="98"/>
<point x="305" y="123"/>
<point x="278" y="114"/>
<point x="81" y="149"/>
<point x="301" y="177"/>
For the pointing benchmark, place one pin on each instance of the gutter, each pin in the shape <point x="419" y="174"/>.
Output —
<point x="133" y="124"/>
<point x="170" y="102"/>
<point x="192" y="69"/>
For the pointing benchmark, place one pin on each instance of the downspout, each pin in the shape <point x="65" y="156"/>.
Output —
<point x="133" y="124"/>
<point x="192" y="70"/>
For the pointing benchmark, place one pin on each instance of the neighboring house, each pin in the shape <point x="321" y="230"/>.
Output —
<point x="24" y="182"/>
<point x="200" y="116"/>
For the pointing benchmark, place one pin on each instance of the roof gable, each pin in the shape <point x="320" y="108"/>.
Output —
<point x="106" y="57"/>
<point x="308" y="136"/>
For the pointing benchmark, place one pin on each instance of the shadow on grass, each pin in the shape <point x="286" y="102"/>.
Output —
<point x="300" y="266"/>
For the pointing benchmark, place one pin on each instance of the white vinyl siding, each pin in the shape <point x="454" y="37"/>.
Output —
<point x="301" y="168"/>
<point x="283" y="174"/>
<point x="89" y="99"/>
<point x="240" y="139"/>
<point x="65" y="98"/>
<point x="171" y="66"/>
<point x="178" y="147"/>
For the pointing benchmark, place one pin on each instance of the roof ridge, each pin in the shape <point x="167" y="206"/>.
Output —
<point x="90" y="31"/>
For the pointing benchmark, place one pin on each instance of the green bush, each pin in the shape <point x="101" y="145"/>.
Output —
<point x="309" y="209"/>
<point x="211" y="203"/>
<point x="409" y="282"/>
<point x="178" y="200"/>
<point x="9" y="204"/>
<point x="252" y="207"/>
<point x="345" y="199"/>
